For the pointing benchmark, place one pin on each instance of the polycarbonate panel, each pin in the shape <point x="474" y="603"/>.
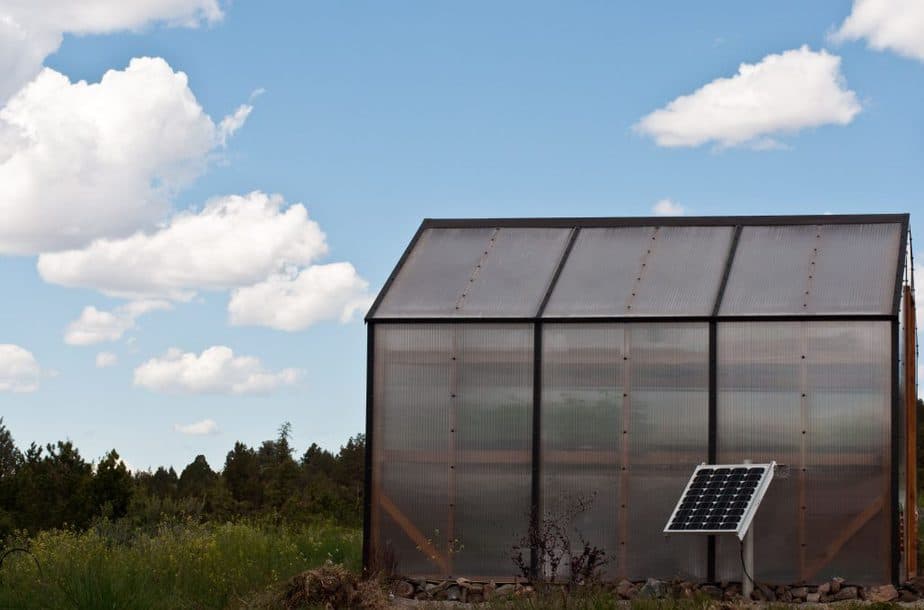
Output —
<point x="814" y="396"/>
<point x="475" y="272"/>
<point x="451" y="447"/>
<point x="642" y="271"/>
<point x="624" y="421"/>
<point x="815" y="269"/>
<point x="411" y="407"/>
<point x="493" y="447"/>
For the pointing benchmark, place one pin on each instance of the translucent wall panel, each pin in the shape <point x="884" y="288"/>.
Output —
<point x="642" y="271"/>
<point x="816" y="397"/>
<point x="814" y="269"/>
<point x="624" y="421"/>
<point x="452" y="446"/>
<point x="475" y="273"/>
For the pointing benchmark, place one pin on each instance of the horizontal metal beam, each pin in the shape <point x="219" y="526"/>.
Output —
<point x="664" y="221"/>
<point x="641" y="319"/>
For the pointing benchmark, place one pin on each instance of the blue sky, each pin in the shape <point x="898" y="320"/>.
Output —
<point x="373" y="116"/>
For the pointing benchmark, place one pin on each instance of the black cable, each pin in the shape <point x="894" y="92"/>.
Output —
<point x="744" y="568"/>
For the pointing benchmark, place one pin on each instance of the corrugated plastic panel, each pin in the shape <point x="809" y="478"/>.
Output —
<point x="479" y="272"/>
<point x="624" y="410"/>
<point x="582" y="414"/>
<point x="450" y="493"/>
<point x="814" y="396"/>
<point x="412" y="376"/>
<point x="824" y="269"/>
<point x="493" y="447"/>
<point x="642" y="271"/>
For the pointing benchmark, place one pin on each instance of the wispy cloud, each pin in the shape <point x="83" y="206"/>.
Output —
<point x="667" y="207"/>
<point x="199" y="428"/>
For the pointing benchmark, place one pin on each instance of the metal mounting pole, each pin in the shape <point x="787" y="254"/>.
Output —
<point x="747" y="558"/>
<point x="747" y="551"/>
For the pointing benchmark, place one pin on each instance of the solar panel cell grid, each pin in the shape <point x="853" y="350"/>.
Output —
<point x="717" y="498"/>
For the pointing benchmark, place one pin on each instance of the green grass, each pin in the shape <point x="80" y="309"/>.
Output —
<point x="175" y="566"/>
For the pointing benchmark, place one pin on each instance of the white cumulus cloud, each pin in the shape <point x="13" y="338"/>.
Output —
<point x="667" y="207"/>
<point x="297" y="299"/>
<point x="79" y="161"/>
<point x="96" y="326"/>
<point x="887" y="25"/>
<point x="19" y="371"/>
<point x="233" y="241"/>
<point x="215" y="371"/>
<point x="106" y="359"/>
<point x="30" y="30"/>
<point x="199" y="428"/>
<point x="783" y="93"/>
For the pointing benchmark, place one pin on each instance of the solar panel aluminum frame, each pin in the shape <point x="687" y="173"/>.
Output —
<point x="745" y="523"/>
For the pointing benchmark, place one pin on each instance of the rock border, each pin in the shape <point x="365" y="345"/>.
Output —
<point x="835" y="590"/>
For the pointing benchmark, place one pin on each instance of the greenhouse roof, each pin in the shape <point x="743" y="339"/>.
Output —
<point x="649" y="267"/>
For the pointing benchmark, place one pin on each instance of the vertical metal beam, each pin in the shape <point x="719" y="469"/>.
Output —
<point x="368" y="547"/>
<point x="803" y="450"/>
<point x="712" y="422"/>
<point x="893" y="466"/>
<point x="535" y="513"/>
<point x="911" y="426"/>
<point x="713" y="415"/>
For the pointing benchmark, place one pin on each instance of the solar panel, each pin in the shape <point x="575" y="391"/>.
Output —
<point x="720" y="499"/>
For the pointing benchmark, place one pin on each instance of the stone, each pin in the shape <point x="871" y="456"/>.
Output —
<point x="403" y="588"/>
<point x="732" y="593"/>
<point x="813" y="598"/>
<point x="623" y="589"/>
<point x="836" y="584"/>
<point x="908" y="596"/>
<point x="916" y="584"/>
<point x="453" y="593"/>
<point x="435" y="587"/>
<point x="505" y="590"/>
<point x="844" y="594"/>
<point x="885" y="593"/>
<point x="653" y="589"/>
<point x="824" y="588"/>
<point x="799" y="592"/>
<point x="463" y="582"/>
<point x="488" y="590"/>
<point x="767" y="592"/>
<point x="712" y="591"/>
<point x="784" y="595"/>
<point x="475" y="597"/>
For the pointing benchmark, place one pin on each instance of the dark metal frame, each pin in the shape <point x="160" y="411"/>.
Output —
<point x="538" y="319"/>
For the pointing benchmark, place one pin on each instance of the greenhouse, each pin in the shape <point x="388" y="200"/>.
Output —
<point x="518" y="368"/>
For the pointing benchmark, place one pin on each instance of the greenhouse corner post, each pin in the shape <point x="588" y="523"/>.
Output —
<point x="896" y="412"/>
<point x="367" y="484"/>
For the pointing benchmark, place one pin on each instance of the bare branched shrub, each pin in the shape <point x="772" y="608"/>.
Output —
<point x="551" y="537"/>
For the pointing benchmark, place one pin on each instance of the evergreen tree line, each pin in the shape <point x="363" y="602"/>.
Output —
<point x="54" y="486"/>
